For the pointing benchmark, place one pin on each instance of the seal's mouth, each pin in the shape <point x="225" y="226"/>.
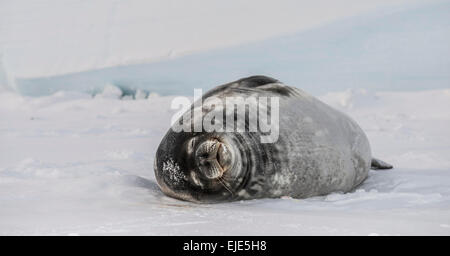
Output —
<point x="213" y="158"/>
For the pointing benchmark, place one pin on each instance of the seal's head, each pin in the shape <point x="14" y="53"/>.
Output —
<point x="199" y="167"/>
<point x="211" y="166"/>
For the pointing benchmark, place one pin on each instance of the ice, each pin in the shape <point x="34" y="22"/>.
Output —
<point x="71" y="164"/>
<point x="77" y="158"/>
<point x="402" y="48"/>
<point x="110" y="91"/>
<point x="50" y="37"/>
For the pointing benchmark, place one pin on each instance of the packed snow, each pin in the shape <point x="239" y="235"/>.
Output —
<point x="402" y="48"/>
<point x="73" y="164"/>
<point x="77" y="149"/>
<point x="51" y="37"/>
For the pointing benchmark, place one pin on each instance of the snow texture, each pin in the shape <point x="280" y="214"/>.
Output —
<point x="52" y="37"/>
<point x="73" y="164"/>
<point x="402" y="48"/>
<point x="78" y="159"/>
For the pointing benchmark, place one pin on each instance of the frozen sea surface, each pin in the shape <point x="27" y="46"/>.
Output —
<point x="71" y="164"/>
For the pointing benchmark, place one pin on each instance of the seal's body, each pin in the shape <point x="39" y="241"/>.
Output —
<point x="319" y="150"/>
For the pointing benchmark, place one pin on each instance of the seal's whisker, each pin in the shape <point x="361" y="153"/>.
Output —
<point x="221" y="181"/>
<point x="228" y="178"/>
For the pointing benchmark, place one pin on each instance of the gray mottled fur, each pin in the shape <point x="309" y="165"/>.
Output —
<point x="320" y="150"/>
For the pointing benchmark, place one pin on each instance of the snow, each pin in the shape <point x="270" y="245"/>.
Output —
<point x="51" y="37"/>
<point x="73" y="164"/>
<point x="77" y="157"/>
<point x="112" y="91"/>
<point x="403" y="48"/>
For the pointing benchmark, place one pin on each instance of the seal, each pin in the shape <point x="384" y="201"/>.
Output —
<point x="318" y="150"/>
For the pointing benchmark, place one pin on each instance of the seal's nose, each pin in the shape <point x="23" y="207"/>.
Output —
<point x="208" y="154"/>
<point x="212" y="158"/>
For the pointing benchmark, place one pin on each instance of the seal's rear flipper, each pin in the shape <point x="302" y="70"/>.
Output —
<point x="379" y="165"/>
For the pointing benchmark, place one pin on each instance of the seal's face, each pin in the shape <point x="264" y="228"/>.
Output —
<point x="212" y="157"/>
<point x="196" y="166"/>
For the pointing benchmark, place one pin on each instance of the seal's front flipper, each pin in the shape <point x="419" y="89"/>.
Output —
<point x="379" y="165"/>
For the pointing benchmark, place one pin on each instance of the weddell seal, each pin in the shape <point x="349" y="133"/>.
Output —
<point x="294" y="146"/>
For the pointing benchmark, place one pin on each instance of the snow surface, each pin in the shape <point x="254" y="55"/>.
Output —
<point x="51" y="37"/>
<point x="76" y="164"/>
<point x="73" y="164"/>
<point x="402" y="48"/>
